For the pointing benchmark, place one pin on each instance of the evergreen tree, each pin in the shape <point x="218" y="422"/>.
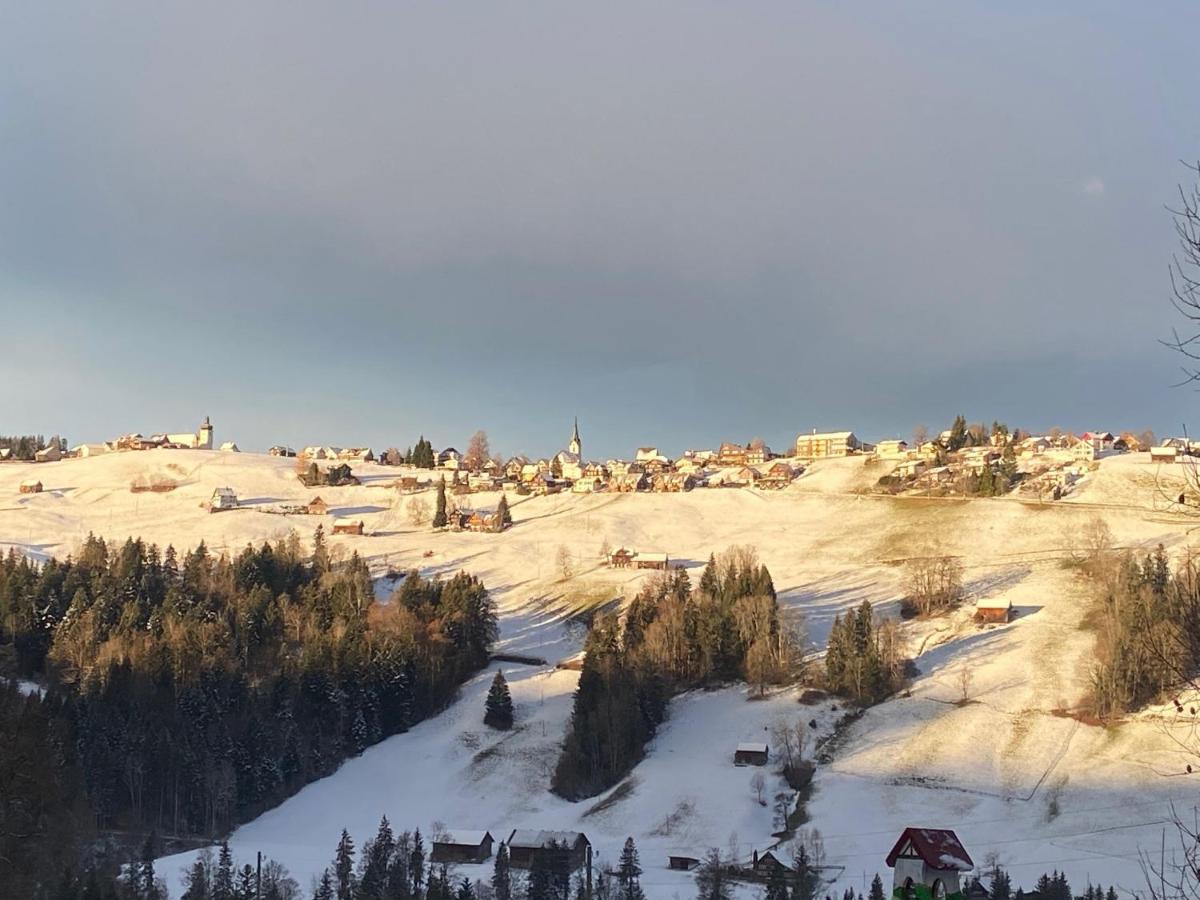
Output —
<point x="343" y="867"/>
<point x="196" y="885"/>
<point x="440" y="519"/>
<point x="503" y="516"/>
<point x="222" y="882"/>
<point x="245" y="888"/>
<point x="958" y="434"/>
<point x="465" y="891"/>
<point x="325" y="889"/>
<point x="629" y="870"/>
<point x="501" y="875"/>
<point x="876" y="891"/>
<point x="416" y="863"/>
<point x="804" y="876"/>
<point x="1001" y="886"/>
<point x="498" y="711"/>
<point x="1008" y="463"/>
<point x="712" y="881"/>
<point x="777" y="888"/>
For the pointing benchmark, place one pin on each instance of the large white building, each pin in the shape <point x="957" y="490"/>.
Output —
<point x="196" y="440"/>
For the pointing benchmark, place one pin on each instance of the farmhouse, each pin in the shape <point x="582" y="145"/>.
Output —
<point x="993" y="609"/>
<point x="780" y="475"/>
<point x="461" y="847"/>
<point x="767" y="863"/>
<point x="827" y="443"/>
<point x="743" y="477"/>
<point x="731" y="455"/>
<point x="561" y="851"/>
<point x="928" y="861"/>
<point x="357" y="454"/>
<point x="751" y="753"/>
<point x="629" y="482"/>
<point x="347" y="526"/>
<point x="449" y="459"/>
<point x="651" y="560"/>
<point x="316" y="507"/>
<point x="51" y="453"/>
<point x="673" y="483"/>
<point x="758" y="453"/>
<point x="621" y="558"/>
<point x="30" y="486"/>
<point x="222" y="498"/>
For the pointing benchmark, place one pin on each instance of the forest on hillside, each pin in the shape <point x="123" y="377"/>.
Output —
<point x="186" y="694"/>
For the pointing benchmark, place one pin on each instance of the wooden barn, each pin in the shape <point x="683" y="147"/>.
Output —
<point x="461" y="847"/>
<point x="31" y="486"/>
<point x="222" y="498"/>
<point x="347" y="526"/>
<point x="766" y="863"/>
<point x="561" y="851"/>
<point x="682" y="863"/>
<point x="751" y="753"/>
<point x="316" y="507"/>
<point x="651" y="561"/>
<point x="993" y="609"/>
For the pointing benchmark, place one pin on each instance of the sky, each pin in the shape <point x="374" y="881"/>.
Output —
<point x="683" y="223"/>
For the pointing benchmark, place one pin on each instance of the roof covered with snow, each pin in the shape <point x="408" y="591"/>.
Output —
<point x="462" y="837"/>
<point x="938" y="848"/>
<point x="538" y="839"/>
<point x="752" y="747"/>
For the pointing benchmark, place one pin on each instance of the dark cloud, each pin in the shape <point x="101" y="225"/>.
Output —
<point x="683" y="221"/>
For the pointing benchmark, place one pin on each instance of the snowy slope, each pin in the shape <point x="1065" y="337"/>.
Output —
<point x="1015" y="778"/>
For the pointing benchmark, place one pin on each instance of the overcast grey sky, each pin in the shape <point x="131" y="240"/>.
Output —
<point x="684" y="222"/>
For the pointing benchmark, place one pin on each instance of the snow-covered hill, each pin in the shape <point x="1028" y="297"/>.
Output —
<point x="1009" y="770"/>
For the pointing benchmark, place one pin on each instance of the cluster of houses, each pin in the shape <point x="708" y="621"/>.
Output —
<point x="561" y="852"/>
<point x="623" y="558"/>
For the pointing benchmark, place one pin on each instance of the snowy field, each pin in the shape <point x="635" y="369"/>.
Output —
<point x="1006" y="769"/>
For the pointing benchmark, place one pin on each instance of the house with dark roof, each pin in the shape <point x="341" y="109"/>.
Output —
<point x="461" y="847"/>
<point x="562" y="852"/>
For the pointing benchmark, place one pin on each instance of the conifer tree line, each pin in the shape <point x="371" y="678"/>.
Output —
<point x="1147" y="630"/>
<point x="863" y="660"/>
<point x="23" y="446"/>
<point x="672" y="639"/>
<point x="188" y="694"/>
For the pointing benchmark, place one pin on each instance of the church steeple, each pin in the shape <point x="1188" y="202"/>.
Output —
<point x="576" y="444"/>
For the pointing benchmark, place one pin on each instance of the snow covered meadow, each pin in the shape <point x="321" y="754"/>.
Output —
<point x="1006" y="765"/>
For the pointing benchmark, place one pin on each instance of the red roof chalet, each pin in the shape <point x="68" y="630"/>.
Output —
<point x="938" y="848"/>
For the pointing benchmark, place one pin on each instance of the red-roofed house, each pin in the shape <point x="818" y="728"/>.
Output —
<point x="928" y="863"/>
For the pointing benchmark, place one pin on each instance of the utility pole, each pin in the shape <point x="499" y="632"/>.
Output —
<point x="258" y="878"/>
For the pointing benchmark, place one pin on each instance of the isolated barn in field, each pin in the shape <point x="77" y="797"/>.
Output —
<point x="1164" y="454"/>
<point x="30" y="486"/>
<point x="651" y="561"/>
<point x="682" y="863"/>
<point x="223" y="498"/>
<point x="316" y="507"/>
<point x="560" y="851"/>
<point x="993" y="609"/>
<point x="461" y="847"/>
<point x="751" y="753"/>
<point x="928" y="862"/>
<point x="347" y="526"/>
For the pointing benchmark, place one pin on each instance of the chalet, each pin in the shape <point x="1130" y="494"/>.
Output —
<point x="891" y="449"/>
<point x="657" y="466"/>
<point x="827" y="443"/>
<point x="563" y="852"/>
<point x="491" y="467"/>
<point x="316" y="507"/>
<point x="588" y="484"/>
<point x="449" y="459"/>
<point x="910" y="468"/>
<point x="621" y="558"/>
<point x="1129" y="442"/>
<point x="347" y="526"/>
<point x="313" y="453"/>
<point x="30" y="486"/>
<point x="682" y="863"/>
<point x="751" y="753"/>
<point x="514" y="467"/>
<point x="461" y="847"/>
<point x="780" y="475"/>
<point x="545" y="483"/>
<point x="993" y="609"/>
<point x="481" y="521"/>
<point x="1164" y="454"/>
<point x="689" y="465"/>
<point x="222" y="498"/>
<point x="596" y="470"/>
<point x="629" y="482"/>
<point x="928" y="862"/>
<point x="651" y="561"/>
<point x="1035" y="446"/>
<point x="746" y="476"/>
<point x="731" y="455"/>
<point x="757" y="454"/>
<point x="356" y="454"/>
<point x="672" y="483"/>
<point x="767" y="863"/>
